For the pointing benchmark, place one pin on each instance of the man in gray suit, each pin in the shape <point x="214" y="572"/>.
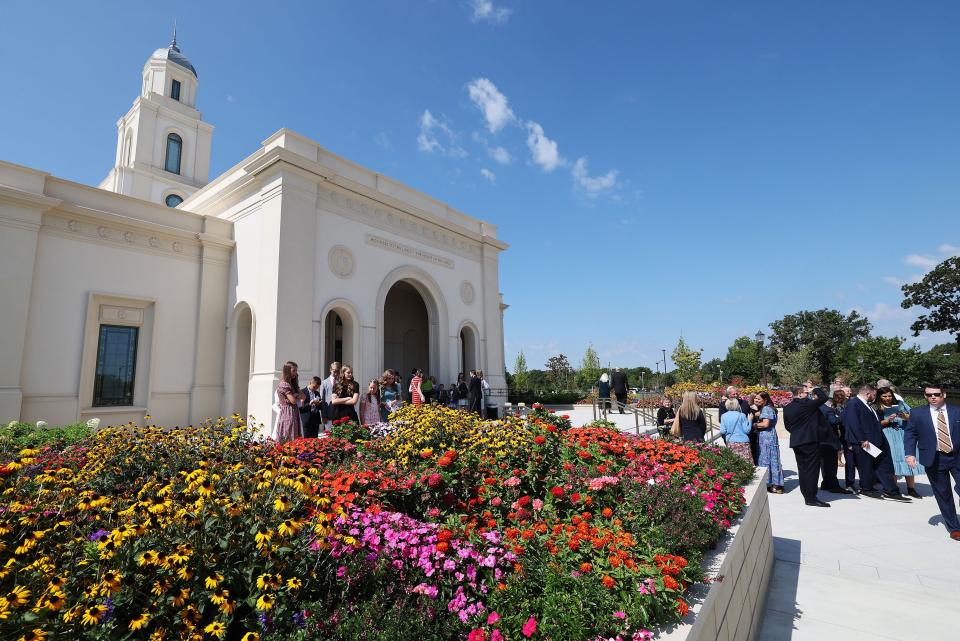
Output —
<point x="326" y="394"/>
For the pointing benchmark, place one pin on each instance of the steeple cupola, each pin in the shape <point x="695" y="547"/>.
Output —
<point x="163" y="145"/>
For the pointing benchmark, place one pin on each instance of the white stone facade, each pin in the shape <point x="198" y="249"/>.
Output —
<point x="293" y="254"/>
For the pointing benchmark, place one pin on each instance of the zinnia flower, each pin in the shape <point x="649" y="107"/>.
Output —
<point x="529" y="627"/>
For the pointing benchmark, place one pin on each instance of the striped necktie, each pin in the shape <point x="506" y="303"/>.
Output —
<point x="944" y="442"/>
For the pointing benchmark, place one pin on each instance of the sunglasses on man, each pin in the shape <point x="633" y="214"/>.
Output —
<point x="933" y="394"/>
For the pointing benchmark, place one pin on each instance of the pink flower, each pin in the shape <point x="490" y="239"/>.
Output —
<point x="493" y="618"/>
<point x="529" y="627"/>
<point x="620" y="614"/>
<point x="496" y="635"/>
<point x="477" y="635"/>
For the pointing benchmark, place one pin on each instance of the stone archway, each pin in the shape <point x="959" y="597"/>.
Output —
<point x="339" y="339"/>
<point x="241" y="365"/>
<point x="406" y="330"/>
<point x="469" y="354"/>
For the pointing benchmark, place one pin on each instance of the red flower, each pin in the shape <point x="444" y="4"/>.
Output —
<point x="608" y="581"/>
<point x="539" y="439"/>
<point x="682" y="607"/>
<point x="434" y="480"/>
<point x="557" y="492"/>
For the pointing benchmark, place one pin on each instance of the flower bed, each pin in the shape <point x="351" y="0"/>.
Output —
<point x="446" y="527"/>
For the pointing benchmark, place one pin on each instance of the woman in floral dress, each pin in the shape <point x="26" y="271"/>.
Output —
<point x="288" y="397"/>
<point x="766" y="424"/>
<point x="389" y="395"/>
<point x="370" y="404"/>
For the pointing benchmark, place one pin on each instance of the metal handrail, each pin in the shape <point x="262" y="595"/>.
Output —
<point x="712" y="434"/>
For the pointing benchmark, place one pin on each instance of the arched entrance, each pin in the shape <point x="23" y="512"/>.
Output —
<point x="338" y="339"/>
<point x="406" y="330"/>
<point x="242" y="361"/>
<point x="468" y="349"/>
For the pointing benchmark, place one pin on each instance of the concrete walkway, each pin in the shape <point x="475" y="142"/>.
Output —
<point x="861" y="569"/>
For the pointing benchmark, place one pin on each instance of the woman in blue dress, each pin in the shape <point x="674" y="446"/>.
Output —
<point x="765" y="422"/>
<point x="893" y="415"/>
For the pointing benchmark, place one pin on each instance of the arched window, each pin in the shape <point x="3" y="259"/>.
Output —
<point x="174" y="148"/>
<point x="173" y="200"/>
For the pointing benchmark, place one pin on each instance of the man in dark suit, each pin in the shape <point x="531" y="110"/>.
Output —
<point x="311" y="410"/>
<point x="863" y="431"/>
<point x="733" y="392"/>
<point x="619" y="381"/>
<point x="934" y="432"/>
<point x="803" y="419"/>
<point x="474" y="392"/>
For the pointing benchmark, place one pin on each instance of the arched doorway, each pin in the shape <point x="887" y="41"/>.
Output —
<point x="468" y="349"/>
<point x="242" y="360"/>
<point x="337" y="339"/>
<point x="406" y="330"/>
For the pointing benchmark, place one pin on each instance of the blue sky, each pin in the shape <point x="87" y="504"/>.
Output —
<point x="657" y="168"/>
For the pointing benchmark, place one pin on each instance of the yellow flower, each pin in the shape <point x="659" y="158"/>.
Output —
<point x="18" y="596"/>
<point x="216" y="629"/>
<point x="250" y="636"/>
<point x="220" y="596"/>
<point x="294" y="584"/>
<point x="282" y="503"/>
<point x="213" y="581"/>
<point x="111" y="581"/>
<point x="180" y="597"/>
<point x="147" y="558"/>
<point x="289" y="527"/>
<point x="206" y="488"/>
<point x="265" y="602"/>
<point x="139" y="621"/>
<point x="34" y="635"/>
<point x="93" y="614"/>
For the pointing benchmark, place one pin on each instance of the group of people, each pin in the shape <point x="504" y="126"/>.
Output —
<point x="617" y="383"/>
<point x="308" y="411"/>
<point x="874" y="435"/>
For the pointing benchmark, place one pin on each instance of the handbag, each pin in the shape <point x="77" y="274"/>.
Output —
<point x="675" y="429"/>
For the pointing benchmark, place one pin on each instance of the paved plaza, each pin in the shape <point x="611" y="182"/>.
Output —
<point x="863" y="569"/>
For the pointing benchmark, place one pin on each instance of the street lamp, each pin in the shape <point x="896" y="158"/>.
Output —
<point x="664" y="361"/>
<point x="658" y="373"/>
<point x="763" y="366"/>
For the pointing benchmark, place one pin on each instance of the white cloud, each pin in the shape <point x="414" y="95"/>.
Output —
<point x="952" y="250"/>
<point x="489" y="175"/>
<point x="501" y="155"/>
<point x="230" y="98"/>
<point x="883" y="312"/>
<point x="920" y="261"/>
<point x="593" y="185"/>
<point x="484" y="10"/>
<point x="893" y="280"/>
<point x="383" y="141"/>
<point x="432" y="130"/>
<point x="494" y="105"/>
<point x="544" y="151"/>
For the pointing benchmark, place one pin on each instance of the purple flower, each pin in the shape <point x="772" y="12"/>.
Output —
<point x="99" y="534"/>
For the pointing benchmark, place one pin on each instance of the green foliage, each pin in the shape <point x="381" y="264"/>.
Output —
<point x="687" y="361"/>
<point x="547" y="397"/>
<point x="521" y="377"/>
<point x="830" y="335"/>
<point x="590" y="369"/>
<point x="938" y="292"/>
<point x="940" y="365"/>
<point x="18" y="436"/>
<point x="743" y="360"/>
<point x="350" y="431"/>
<point x="559" y="372"/>
<point x="885" y="358"/>
<point x="796" y="367"/>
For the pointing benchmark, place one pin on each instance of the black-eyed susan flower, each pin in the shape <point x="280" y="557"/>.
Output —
<point x="294" y="583"/>
<point x="216" y="629"/>
<point x="282" y="503"/>
<point x="250" y="636"/>
<point x="93" y="614"/>
<point x="37" y="634"/>
<point x="149" y="557"/>
<point x="220" y="595"/>
<point x="17" y="597"/>
<point x="139" y="621"/>
<point x="180" y="596"/>
<point x="265" y="602"/>
<point x="213" y="580"/>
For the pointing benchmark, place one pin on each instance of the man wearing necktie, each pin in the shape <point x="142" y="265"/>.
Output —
<point x="935" y="435"/>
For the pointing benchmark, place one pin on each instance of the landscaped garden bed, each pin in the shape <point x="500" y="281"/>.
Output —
<point x="446" y="527"/>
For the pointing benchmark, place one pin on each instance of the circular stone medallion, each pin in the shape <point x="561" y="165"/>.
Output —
<point x="341" y="261"/>
<point x="466" y="293"/>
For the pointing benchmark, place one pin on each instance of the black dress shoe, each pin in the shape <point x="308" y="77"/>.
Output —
<point x="817" y="503"/>
<point x="839" y="490"/>
<point x="913" y="492"/>
<point x="873" y="494"/>
<point x="896" y="496"/>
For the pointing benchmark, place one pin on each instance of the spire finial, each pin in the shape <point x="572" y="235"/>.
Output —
<point x="173" y="43"/>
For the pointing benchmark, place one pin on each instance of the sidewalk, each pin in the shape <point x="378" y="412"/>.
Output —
<point x="861" y="569"/>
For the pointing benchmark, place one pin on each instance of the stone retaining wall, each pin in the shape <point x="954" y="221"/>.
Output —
<point x="731" y="608"/>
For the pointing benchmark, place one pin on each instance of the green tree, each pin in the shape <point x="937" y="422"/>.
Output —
<point x="559" y="372"/>
<point x="713" y="370"/>
<point x="885" y="358"/>
<point x="938" y="292"/>
<point x="590" y="369"/>
<point x="687" y="361"/>
<point x="830" y="335"/>
<point x="794" y="368"/>
<point x="743" y="359"/>
<point x="940" y="366"/>
<point x="521" y="376"/>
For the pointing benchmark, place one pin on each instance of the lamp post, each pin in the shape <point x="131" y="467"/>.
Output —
<point x="763" y="366"/>
<point x="658" y="373"/>
<point x="664" y="361"/>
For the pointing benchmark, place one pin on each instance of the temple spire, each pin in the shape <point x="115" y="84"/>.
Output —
<point x="173" y="43"/>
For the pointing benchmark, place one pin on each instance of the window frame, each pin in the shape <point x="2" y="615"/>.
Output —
<point x="129" y="383"/>
<point x="166" y="200"/>
<point x="174" y="138"/>
<point x="175" y="88"/>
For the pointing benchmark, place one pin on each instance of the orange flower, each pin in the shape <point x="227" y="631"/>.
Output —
<point x="608" y="581"/>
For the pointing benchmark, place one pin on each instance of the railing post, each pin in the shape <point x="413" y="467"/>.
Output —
<point x="594" y="403"/>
